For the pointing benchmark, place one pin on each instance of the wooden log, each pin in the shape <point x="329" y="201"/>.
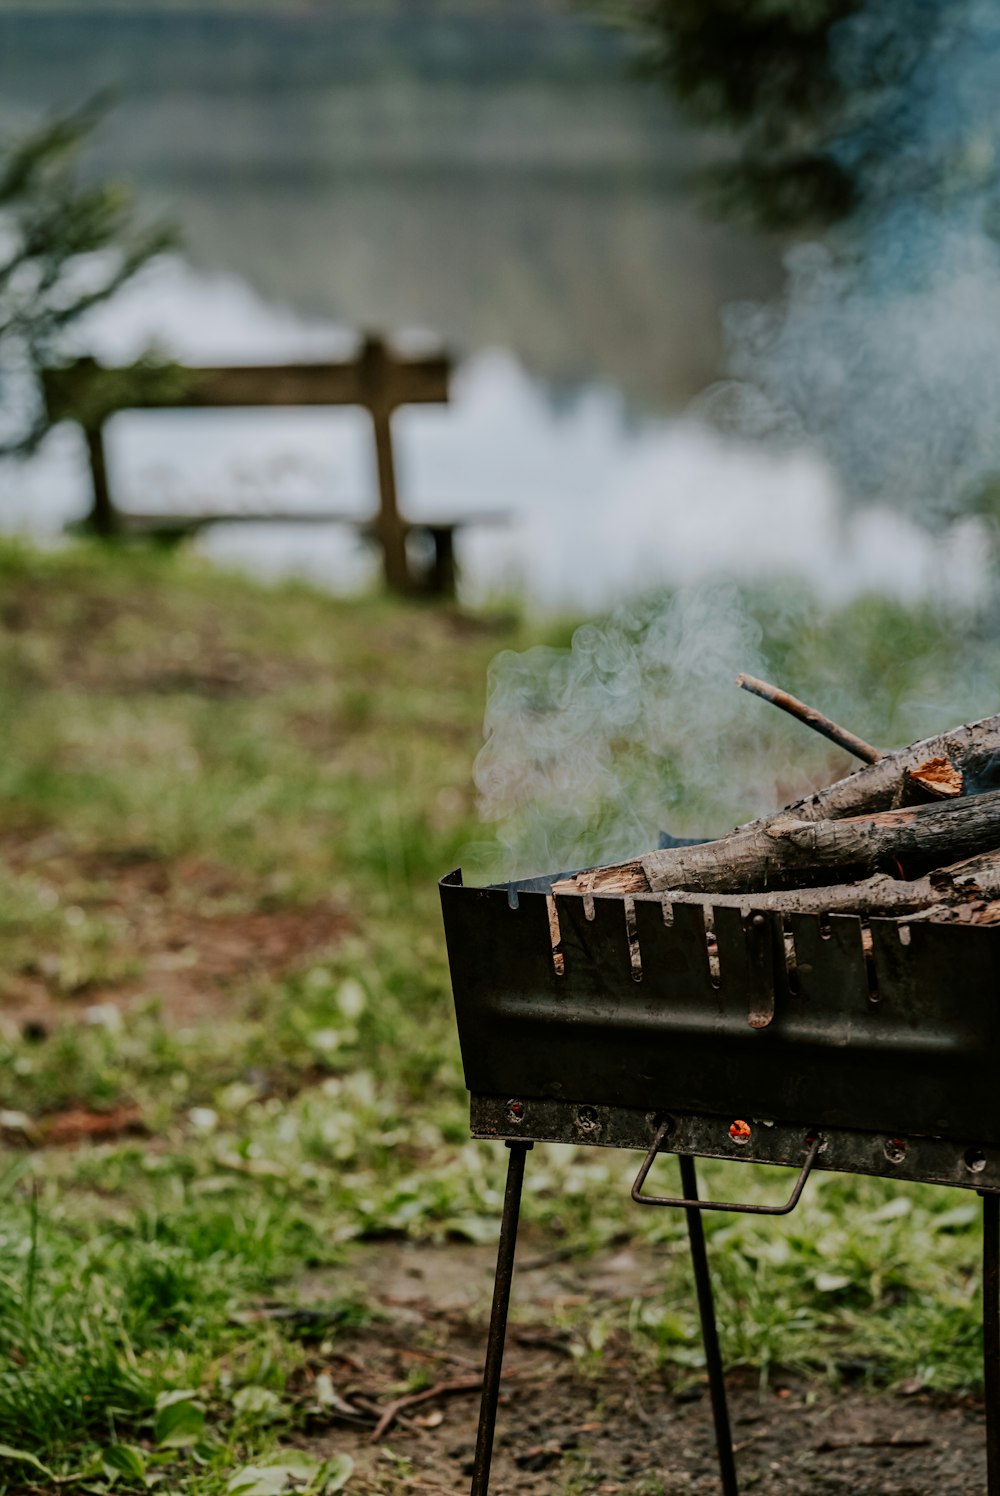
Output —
<point x="982" y="912"/>
<point x="978" y="874"/>
<point x="937" y="779"/>
<point x="881" y="894"/>
<point x="790" y="852"/>
<point x="973" y="750"/>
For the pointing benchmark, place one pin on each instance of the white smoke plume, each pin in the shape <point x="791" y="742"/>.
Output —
<point x="883" y="354"/>
<point x="589" y="750"/>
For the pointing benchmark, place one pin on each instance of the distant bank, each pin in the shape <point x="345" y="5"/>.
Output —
<point x="275" y="44"/>
<point x="486" y="169"/>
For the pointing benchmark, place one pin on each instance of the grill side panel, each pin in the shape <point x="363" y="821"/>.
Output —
<point x="906" y="1040"/>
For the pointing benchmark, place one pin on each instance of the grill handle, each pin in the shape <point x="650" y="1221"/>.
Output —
<point x="815" y="1142"/>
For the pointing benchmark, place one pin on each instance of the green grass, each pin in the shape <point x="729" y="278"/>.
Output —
<point x="191" y="759"/>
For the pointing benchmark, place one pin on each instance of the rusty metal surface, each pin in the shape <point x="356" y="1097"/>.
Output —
<point x="967" y="1164"/>
<point x="905" y="1042"/>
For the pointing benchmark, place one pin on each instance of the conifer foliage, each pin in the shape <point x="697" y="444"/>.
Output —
<point x="67" y="243"/>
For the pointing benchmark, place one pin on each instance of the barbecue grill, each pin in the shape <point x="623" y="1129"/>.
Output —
<point x="866" y="1047"/>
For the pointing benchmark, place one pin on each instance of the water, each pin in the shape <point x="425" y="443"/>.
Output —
<point x="522" y="202"/>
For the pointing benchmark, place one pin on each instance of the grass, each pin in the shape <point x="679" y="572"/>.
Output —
<point x="223" y="811"/>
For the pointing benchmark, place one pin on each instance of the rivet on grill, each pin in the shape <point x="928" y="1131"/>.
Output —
<point x="515" y="1111"/>
<point x="975" y="1160"/>
<point x="895" y="1150"/>
<point x="740" y="1132"/>
<point x="587" y="1119"/>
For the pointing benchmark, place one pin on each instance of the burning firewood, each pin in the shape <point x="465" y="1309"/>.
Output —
<point x="860" y="826"/>
<point x="789" y="852"/>
<point x="970" y="881"/>
<point x="973" y="751"/>
<point x="938" y="777"/>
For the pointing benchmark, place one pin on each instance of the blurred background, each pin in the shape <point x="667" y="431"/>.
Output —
<point x="505" y="179"/>
<point x="685" y="315"/>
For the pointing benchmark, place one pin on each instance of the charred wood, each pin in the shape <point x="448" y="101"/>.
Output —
<point x="971" y="880"/>
<point x="791" y="851"/>
<point x="752" y="856"/>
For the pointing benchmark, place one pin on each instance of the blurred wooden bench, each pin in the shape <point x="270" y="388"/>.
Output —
<point x="378" y="379"/>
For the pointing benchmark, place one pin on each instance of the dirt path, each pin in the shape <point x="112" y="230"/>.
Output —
<point x="189" y="927"/>
<point x="572" y="1426"/>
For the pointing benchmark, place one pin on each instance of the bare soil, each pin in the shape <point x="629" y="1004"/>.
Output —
<point x="185" y="926"/>
<point x="588" y="1427"/>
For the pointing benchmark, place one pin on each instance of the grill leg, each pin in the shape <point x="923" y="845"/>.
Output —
<point x="991" y="1338"/>
<point x="710" y="1335"/>
<point x="498" y="1319"/>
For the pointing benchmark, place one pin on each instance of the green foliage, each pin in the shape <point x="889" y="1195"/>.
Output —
<point x="186" y="750"/>
<point x="732" y="59"/>
<point x="765" y="69"/>
<point x="69" y="244"/>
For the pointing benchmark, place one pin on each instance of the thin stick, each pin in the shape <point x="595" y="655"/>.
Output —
<point x="442" y="1389"/>
<point x="811" y="717"/>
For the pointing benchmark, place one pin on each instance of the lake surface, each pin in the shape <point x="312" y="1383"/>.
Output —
<point x="493" y="181"/>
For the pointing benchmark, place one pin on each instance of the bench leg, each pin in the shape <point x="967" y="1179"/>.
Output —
<point x="498" y="1319"/>
<point x="709" y="1332"/>
<point x="441" y="574"/>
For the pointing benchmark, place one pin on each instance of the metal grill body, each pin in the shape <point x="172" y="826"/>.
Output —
<point x="866" y="1047"/>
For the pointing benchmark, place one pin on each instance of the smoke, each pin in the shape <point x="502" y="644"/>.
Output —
<point x="882" y="354"/>
<point x="590" y="750"/>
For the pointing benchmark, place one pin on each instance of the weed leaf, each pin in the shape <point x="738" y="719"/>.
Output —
<point x="292" y="1471"/>
<point x="180" y="1420"/>
<point x="8" y="1453"/>
<point x="123" y="1459"/>
<point x="261" y="1402"/>
<point x="335" y="1474"/>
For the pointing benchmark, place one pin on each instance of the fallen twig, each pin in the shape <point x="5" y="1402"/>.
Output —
<point x="549" y="1259"/>
<point x="830" y="1446"/>
<point x="418" y="1483"/>
<point x="413" y="1399"/>
<point x="410" y="1354"/>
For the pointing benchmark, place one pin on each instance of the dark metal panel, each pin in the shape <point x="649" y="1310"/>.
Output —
<point x="596" y="948"/>
<point x="749" y="964"/>
<point x="935" y="1001"/>
<point x="830" y="966"/>
<point x="916" y="1050"/>
<point x="500" y="955"/>
<point x="965" y="1163"/>
<point x="675" y="955"/>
